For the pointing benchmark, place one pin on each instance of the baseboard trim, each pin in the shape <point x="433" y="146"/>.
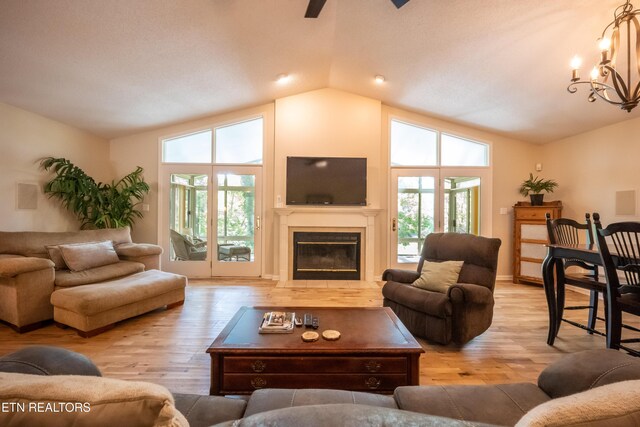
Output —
<point x="504" y="278"/>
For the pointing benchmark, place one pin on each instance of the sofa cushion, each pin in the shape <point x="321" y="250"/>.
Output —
<point x="438" y="276"/>
<point x="65" y="278"/>
<point x="584" y="370"/>
<point x="270" y="399"/>
<point x="343" y="415"/>
<point x="502" y="404"/>
<point x="612" y="404"/>
<point x="59" y="400"/>
<point x="203" y="411"/>
<point x="135" y="250"/>
<point x="83" y="256"/>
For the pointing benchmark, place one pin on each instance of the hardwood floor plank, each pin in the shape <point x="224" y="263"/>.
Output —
<point x="168" y="346"/>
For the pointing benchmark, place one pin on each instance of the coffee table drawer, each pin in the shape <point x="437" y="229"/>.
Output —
<point x="314" y="364"/>
<point x="247" y="383"/>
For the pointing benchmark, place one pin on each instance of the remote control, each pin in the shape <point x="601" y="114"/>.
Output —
<point x="308" y="320"/>
<point x="314" y="323"/>
<point x="298" y="321"/>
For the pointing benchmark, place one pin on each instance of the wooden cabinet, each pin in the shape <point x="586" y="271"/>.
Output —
<point x="529" y="238"/>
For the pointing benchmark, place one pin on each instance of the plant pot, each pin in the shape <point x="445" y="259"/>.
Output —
<point x="536" y="199"/>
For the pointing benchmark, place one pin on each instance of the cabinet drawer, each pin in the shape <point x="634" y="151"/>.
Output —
<point x="313" y="365"/>
<point x="246" y="383"/>
<point x="534" y="213"/>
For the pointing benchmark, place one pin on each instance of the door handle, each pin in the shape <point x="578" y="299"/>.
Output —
<point x="258" y="222"/>
<point x="394" y="224"/>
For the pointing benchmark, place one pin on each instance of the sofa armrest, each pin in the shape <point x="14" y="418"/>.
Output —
<point x="577" y="372"/>
<point x="402" y="276"/>
<point x="14" y="266"/>
<point x="134" y="250"/>
<point x="145" y="253"/>
<point x="468" y="293"/>
<point x="48" y="360"/>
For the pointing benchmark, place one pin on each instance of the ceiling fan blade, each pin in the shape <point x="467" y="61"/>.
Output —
<point x="314" y="8"/>
<point x="399" y="3"/>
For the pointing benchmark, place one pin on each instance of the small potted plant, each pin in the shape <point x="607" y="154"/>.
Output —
<point x="533" y="187"/>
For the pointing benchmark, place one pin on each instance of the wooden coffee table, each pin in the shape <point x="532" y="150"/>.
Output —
<point x="375" y="353"/>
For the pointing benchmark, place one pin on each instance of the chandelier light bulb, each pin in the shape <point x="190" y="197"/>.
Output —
<point x="576" y="62"/>
<point x="379" y="79"/>
<point x="604" y="44"/>
<point x="594" y="73"/>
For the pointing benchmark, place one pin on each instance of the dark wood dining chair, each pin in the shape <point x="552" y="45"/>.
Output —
<point x="619" y="246"/>
<point x="565" y="231"/>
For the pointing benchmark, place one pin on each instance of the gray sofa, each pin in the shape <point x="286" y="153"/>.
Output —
<point x="590" y="388"/>
<point x="36" y="284"/>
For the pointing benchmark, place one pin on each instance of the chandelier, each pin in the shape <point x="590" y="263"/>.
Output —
<point x="610" y="79"/>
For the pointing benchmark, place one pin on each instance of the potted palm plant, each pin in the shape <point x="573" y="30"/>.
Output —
<point x="534" y="186"/>
<point x="95" y="204"/>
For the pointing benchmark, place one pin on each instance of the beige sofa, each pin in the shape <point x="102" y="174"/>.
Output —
<point x="36" y="285"/>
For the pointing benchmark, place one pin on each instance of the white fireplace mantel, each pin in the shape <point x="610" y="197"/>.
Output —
<point x="326" y="217"/>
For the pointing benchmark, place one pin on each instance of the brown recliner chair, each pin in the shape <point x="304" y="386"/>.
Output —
<point x="466" y="310"/>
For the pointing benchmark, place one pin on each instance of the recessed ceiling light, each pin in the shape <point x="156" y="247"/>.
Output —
<point x="283" y="78"/>
<point x="380" y="79"/>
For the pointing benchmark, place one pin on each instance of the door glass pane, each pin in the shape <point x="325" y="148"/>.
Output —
<point x="192" y="148"/>
<point x="236" y="210"/>
<point x="412" y="145"/>
<point x="463" y="152"/>
<point x="188" y="217"/>
<point x="462" y="205"/>
<point x="240" y="143"/>
<point x="416" y="209"/>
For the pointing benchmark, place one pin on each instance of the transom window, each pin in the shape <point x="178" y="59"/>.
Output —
<point x="413" y="145"/>
<point x="236" y="143"/>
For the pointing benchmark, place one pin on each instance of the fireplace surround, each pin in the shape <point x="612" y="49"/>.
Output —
<point x="325" y="219"/>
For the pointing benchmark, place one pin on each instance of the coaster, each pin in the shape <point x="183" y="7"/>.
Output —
<point x="330" y="335"/>
<point x="310" y="336"/>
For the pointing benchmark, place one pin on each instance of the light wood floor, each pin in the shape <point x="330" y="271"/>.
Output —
<point x="168" y="346"/>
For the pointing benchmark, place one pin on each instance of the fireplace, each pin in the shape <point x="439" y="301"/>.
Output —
<point x="326" y="256"/>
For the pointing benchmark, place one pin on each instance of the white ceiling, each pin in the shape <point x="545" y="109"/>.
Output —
<point x="117" y="67"/>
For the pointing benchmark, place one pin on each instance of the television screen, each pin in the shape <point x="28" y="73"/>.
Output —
<point x="326" y="181"/>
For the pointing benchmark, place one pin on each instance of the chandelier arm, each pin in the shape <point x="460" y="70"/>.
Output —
<point x="598" y="87"/>
<point x="637" y="25"/>
<point x="618" y="83"/>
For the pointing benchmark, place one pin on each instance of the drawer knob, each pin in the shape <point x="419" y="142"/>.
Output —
<point x="373" y="366"/>
<point x="258" y="366"/>
<point x="372" y="383"/>
<point x="258" y="383"/>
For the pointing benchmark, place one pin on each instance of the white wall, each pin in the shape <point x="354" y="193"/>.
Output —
<point x="24" y="139"/>
<point x="592" y="166"/>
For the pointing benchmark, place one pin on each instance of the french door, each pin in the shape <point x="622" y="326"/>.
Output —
<point x="211" y="220"/>
<point x="425" y="201"/>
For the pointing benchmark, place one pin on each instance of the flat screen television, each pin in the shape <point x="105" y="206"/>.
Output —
<point x="327" y="181"/>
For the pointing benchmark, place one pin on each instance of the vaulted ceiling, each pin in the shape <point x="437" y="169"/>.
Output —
<point x="117" y="67"/>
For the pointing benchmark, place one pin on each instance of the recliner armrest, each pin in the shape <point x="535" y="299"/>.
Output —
<point x="470" y="294"/>
<point x="14" y="266"/>
<point x="402" y="276"/>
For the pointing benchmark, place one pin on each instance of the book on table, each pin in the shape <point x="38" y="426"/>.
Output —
<point x="277" y="322"/>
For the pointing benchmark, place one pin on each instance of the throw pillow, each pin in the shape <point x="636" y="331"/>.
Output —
<point x="438" y="276"/>
<point x="78" y="400"/>
<point x="82" y="256"/>
<point x="56" y="256"/>
<point x="611" y="404"/>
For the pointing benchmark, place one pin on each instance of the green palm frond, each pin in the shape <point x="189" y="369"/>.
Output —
<point x="95" y="204"/>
